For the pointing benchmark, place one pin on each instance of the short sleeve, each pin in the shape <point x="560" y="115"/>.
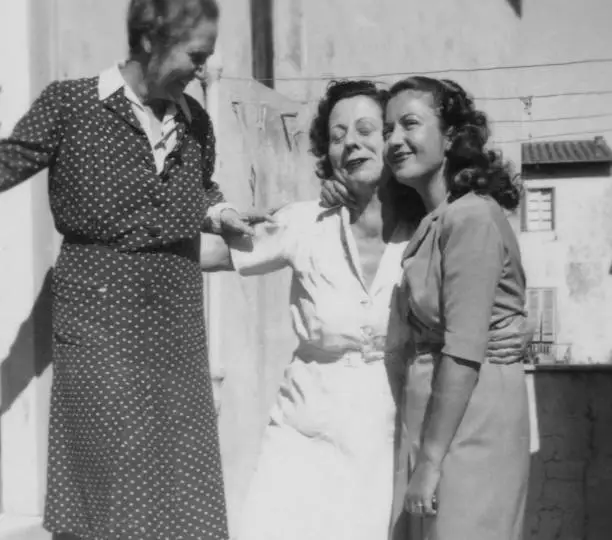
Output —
<point x="272" y="247"/>
<point x="472" y="262"/>
<point x="35" y="140"/>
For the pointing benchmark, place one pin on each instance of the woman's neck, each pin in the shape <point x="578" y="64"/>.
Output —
<point x="368" y="216"/>
<point x="134" y="73"/>
<point x="433" y="190"/>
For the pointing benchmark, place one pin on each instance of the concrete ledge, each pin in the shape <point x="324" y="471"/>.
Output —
<point x="573" y="368"/>
<point x="22" y="528"/>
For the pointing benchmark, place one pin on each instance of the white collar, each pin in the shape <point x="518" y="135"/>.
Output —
<point x="111" y="80"/>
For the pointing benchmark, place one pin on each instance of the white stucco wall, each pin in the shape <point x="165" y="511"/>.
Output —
<point x="319" y="38"/>
<point x="560" y="31"/>
<point x="576" y="259"/>
<point x="40" y="40"/>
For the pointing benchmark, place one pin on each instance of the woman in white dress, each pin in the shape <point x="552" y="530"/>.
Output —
<point x="327" y="459"/>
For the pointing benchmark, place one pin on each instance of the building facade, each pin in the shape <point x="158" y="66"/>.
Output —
<point x="566" y="242"/>
<point x="296" y="48"/>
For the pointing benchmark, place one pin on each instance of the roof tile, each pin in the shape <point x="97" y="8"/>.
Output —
<point x="553" y="152"/>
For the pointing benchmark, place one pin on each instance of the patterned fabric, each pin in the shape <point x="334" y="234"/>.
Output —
<point x="165" y="141"/>
<point x="133" y="444"/>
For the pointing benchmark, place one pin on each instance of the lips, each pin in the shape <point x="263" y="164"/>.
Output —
<point x="354" y="163"/>
<point x="399" y="157"/>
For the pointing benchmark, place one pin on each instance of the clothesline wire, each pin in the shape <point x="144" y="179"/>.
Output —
<point x="552" y="136"/>
<point x="324" y="77"/>
<point x="552" y="119"/>
<point x="482" y="98"/>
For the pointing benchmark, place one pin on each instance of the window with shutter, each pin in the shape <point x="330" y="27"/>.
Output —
<point x="538" y="210"/>
<point x="541" y="310"/>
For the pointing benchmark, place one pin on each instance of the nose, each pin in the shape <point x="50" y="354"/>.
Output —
<point x="395" y="137"/>
<point x="351" y="139"/>
<point x="200" y="72"/>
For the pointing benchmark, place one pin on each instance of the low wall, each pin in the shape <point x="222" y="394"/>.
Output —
<point x="570" y="495"/>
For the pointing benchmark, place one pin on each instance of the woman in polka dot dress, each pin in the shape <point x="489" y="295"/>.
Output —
<point x="133" y="443"/>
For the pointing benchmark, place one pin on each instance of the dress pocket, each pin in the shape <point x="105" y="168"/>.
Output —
<point x="80" y="311"/>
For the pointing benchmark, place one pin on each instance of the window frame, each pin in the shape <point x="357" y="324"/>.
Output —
<point x="525" y="210"/>
<point x="538" y="319"/>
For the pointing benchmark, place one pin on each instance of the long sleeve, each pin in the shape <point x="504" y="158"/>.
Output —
<point x="215" y="201"/>
<point x="34" y="142"/>
<point x="472" y="262"/>
<point x="272" y="248"/>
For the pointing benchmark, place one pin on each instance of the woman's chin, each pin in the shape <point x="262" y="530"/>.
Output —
<point x="404" y="176"/>
<point x="367" y="175"/>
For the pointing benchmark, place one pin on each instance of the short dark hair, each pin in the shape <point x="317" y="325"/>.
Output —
<point x="319" y="128"/>
<point x="166" y="21"/>
<point x="470" y="166"/>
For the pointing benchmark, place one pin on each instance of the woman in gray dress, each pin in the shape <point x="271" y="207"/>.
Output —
<point x="465" y="446"/>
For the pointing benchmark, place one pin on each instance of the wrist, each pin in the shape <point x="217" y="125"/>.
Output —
<point x="215" y="214"/>
<point x="430" y="458"/>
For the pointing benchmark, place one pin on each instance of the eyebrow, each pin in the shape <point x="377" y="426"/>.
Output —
<point x="360" y="119"/>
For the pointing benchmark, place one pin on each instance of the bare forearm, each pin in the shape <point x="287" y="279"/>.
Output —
<point x="452" y="389"/>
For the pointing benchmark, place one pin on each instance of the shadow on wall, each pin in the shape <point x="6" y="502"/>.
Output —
<point x="571" y="477"/>
<point x="262" y="143"/>
<point x="33" y="341"/>
<point x="517" y="6"/>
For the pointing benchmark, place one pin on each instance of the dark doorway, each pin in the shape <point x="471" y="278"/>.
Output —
<point x="262" y="41"/>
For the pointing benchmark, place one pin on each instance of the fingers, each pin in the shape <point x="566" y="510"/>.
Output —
<point x="327" y="199"/>
<point x="335" y="193"/>
<point x="344" y="195"/>
<point x="421" y="507"/>
<point x="255" y="217"/>
<point x="238" y="226"/>
<point x="273" y="210"/>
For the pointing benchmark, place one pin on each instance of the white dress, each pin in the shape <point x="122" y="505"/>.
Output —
<point x="326" y="466"/>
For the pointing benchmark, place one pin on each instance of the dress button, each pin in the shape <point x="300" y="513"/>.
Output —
<point x="367" y="331"/>
<point x="155" y="231"/>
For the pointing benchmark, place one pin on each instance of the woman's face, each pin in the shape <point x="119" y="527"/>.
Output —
<point x="172" y="68"/>
<point x="414" y="142"/>
<point x="356" y="141"/>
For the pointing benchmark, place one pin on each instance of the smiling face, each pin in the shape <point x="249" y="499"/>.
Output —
<point x="173" y="67"/>
<point x="414" y="141"/>
<point x="356" y="142"/>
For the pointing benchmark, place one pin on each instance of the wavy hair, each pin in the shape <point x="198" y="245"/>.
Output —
<point x="319" y="128"/>
<point x="470" y="166"/>
<point x="166" y="21"/>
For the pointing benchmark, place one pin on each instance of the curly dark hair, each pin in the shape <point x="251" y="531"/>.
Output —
<point x="319" y="128"/>
<point x="166" y="21"/>
<point x="470" y="166"/>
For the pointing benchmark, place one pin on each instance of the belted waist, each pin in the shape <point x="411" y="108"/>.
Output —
<point x="435" y="349"/>
<point x="309" y="352"/>
<point x="428" y="347"/>
<point x="184" y="248"/>
<point x="95" y="264"/>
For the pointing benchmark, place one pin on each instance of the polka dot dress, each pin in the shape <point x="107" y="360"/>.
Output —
<point x="133" y="443"/>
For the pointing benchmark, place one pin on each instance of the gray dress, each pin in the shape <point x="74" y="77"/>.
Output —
<point x="463" y="288"/>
